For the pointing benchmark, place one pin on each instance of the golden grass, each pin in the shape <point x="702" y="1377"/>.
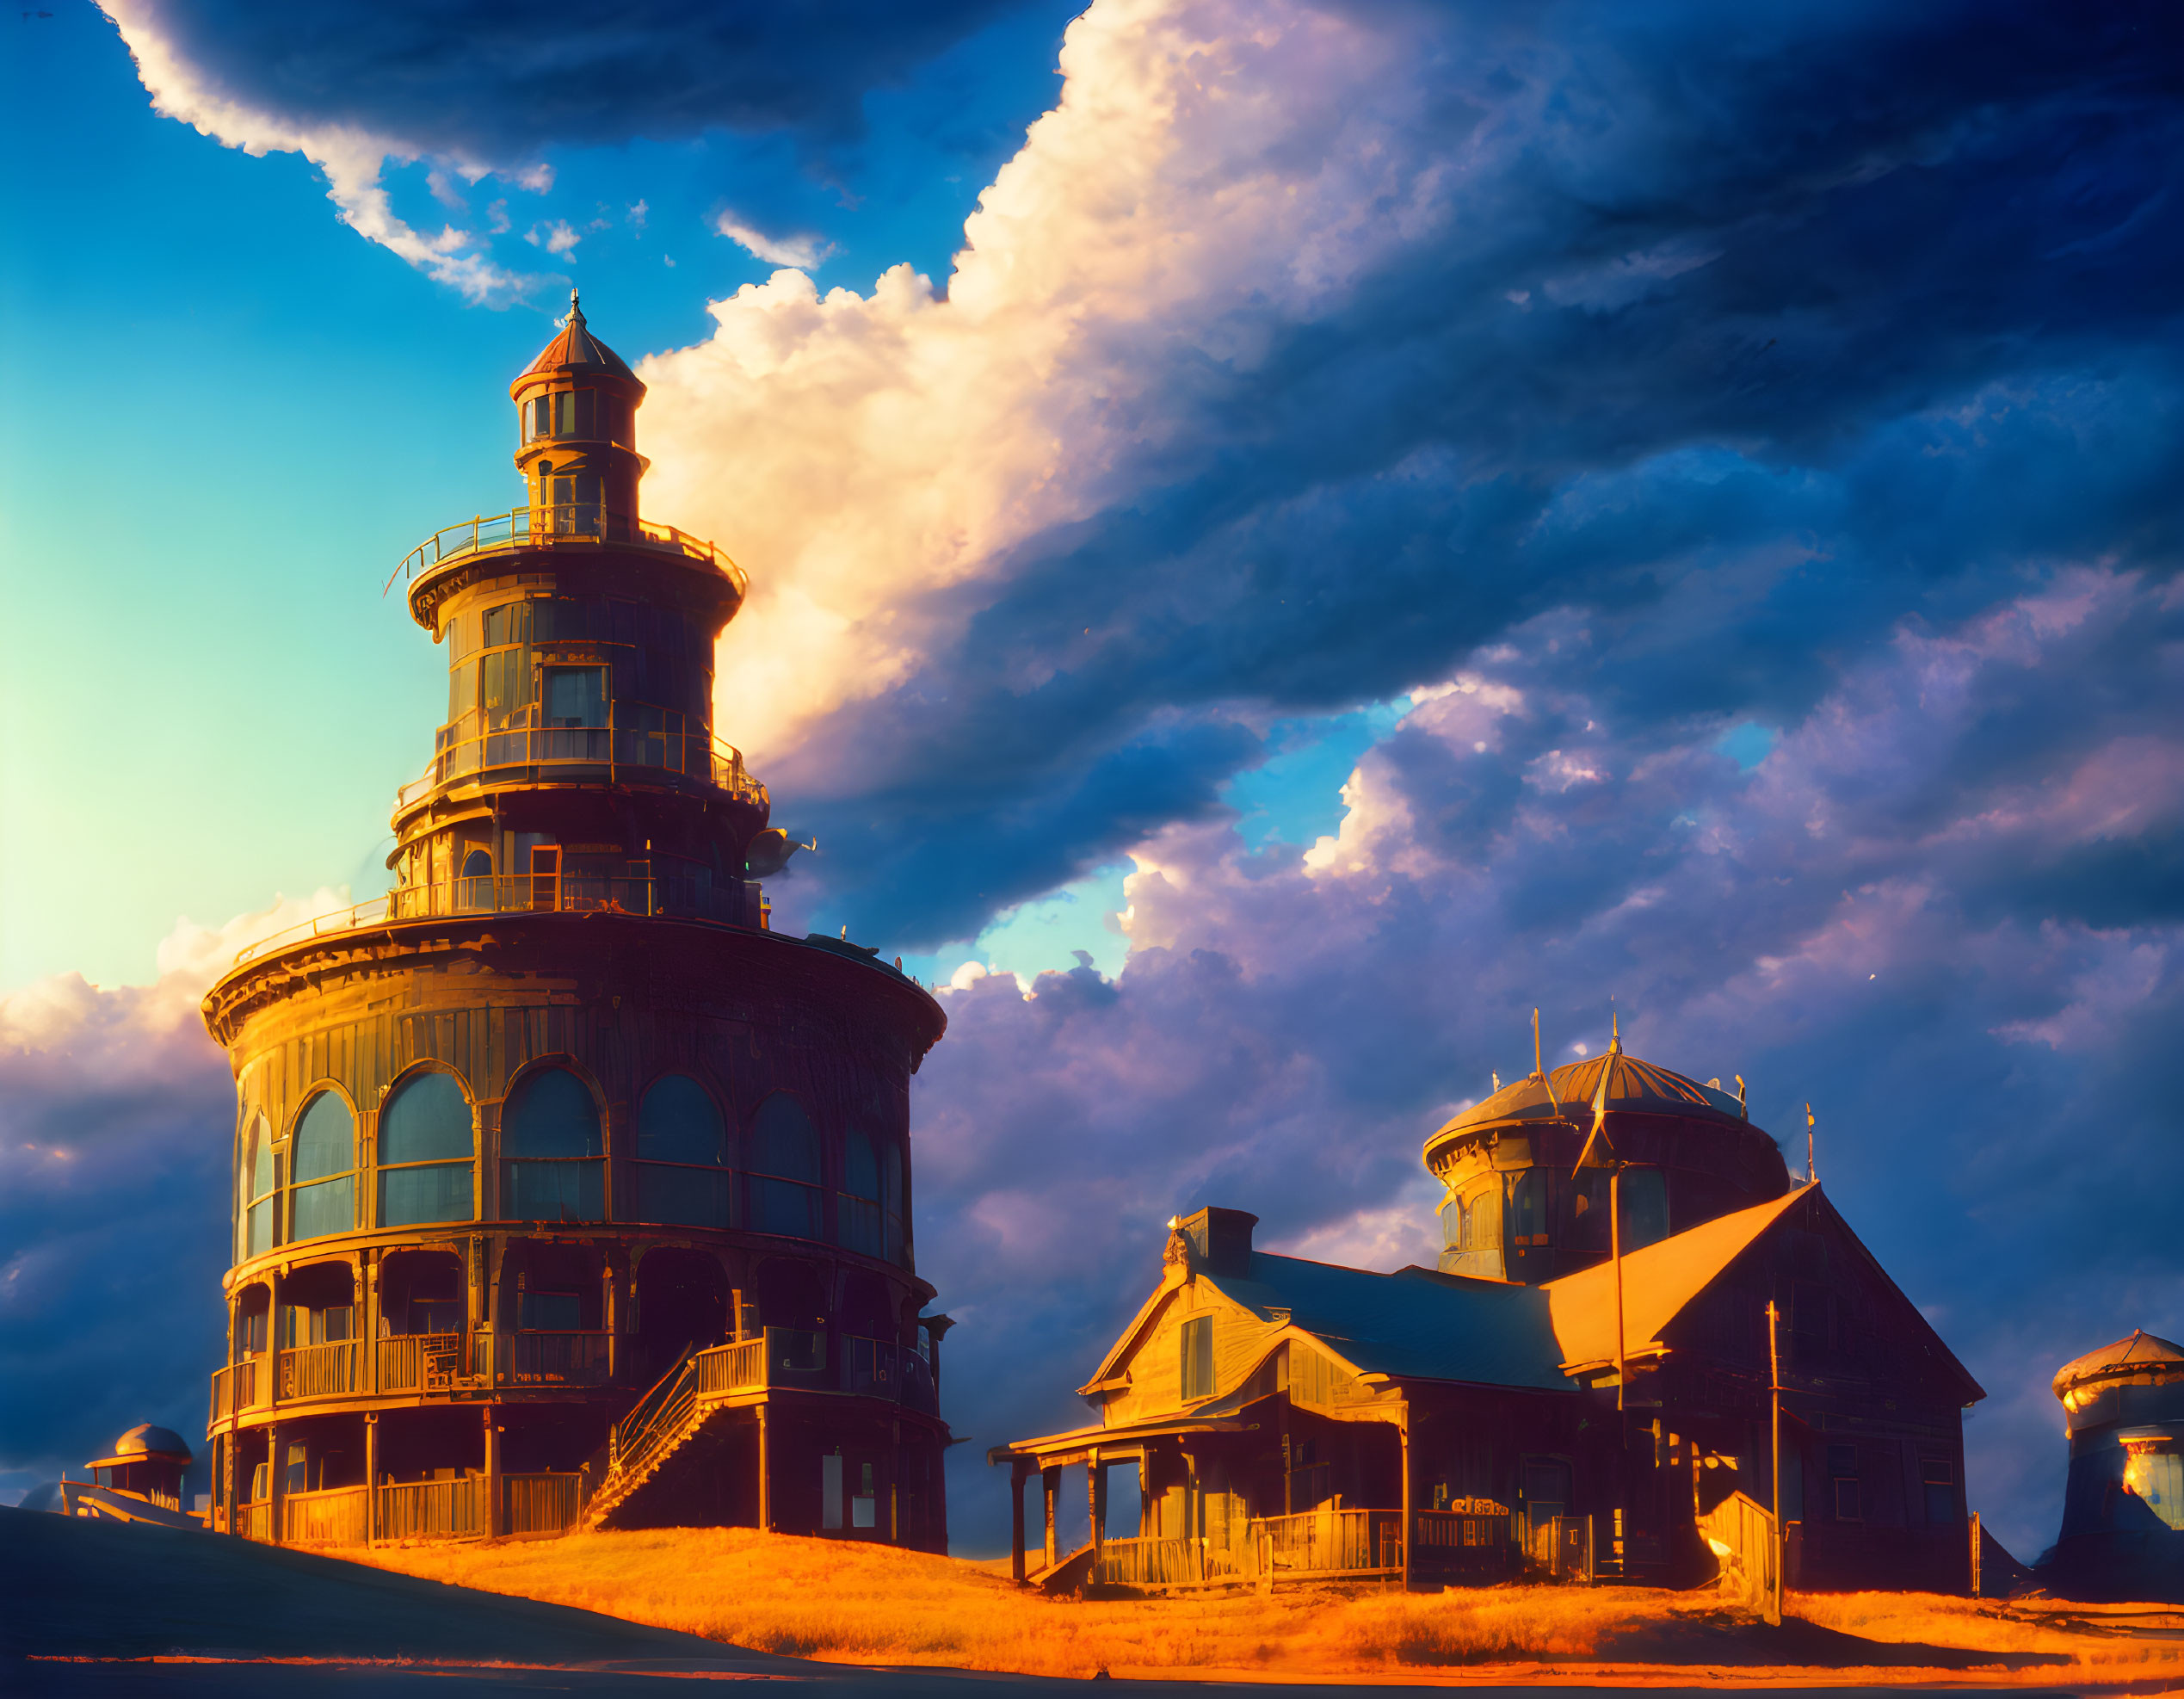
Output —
<point x="873" y="1604"/>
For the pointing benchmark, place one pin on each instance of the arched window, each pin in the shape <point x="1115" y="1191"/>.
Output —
<point x="425" y="1150"/>
<point x="324" y="1169"/>
<point x="682" y="1156"/>
<point x="551" y="1153"/>
<point x="857" y="1211"/>
<point x="785" y="1175"/>
<point x="474" y="887"/>
<point x="255" y="1189"/>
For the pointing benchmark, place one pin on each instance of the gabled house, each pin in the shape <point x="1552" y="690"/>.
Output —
<point x="1288" y="1418"/>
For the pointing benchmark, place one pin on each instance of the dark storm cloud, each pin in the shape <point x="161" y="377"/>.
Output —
<point x="1996" y="1099"/>
<point x="114" y="1117"/>
<point x="1788" y="323"/>
<point x="494" y="84"/>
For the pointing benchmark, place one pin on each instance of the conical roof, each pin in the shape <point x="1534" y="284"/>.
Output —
<point x="1634" y="1087"/>
<point x="2137" y="1350"/>
<point x="577" y="352"/>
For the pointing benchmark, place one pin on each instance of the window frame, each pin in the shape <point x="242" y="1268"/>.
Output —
<point x="291" y="1193"/>
<point x="1194" y="1358"/>
<point x="521" y="1082"/>
<point x="380" y="1168"/>
<point x="814" y="1189"/>
<point x="727" y="1169"/>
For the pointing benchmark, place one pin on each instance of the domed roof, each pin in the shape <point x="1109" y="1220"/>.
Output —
<point x="144" y="1443"/>
<point x="577" y="352"/>
<point x="2139" y="1349"/>
<point x="1634" y="1087"/>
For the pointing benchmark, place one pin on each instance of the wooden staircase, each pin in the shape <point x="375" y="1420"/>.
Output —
<point x="663" y="1421"/>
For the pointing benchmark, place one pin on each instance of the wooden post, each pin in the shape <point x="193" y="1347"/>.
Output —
<point x="492" y="1470"/>
<point x="1016" y="1475"/>
<point x="276" y="1472"/>
<point x="370" y="1477"/>
<point x="1774" y="1425"/>
<point x="894" y="1486"/>
<point x="1616" y="1256"/>
<point x="1050" y="1485"/>
<point x="1972" y="1526"/>
<point x="1402" y="1437"/>
<point x="227" y="1459"/>
<point x="765" y="1485"/>
<point x="1095" y="1497"/>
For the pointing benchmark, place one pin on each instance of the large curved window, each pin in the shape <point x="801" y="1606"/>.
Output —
<point x="857" y="1210"/>
<point x="891" y="1178"/>
<point x="324" y="1165"/>
<point x="425" y="1149"/>
<point x="551" y="1151"/>
<point x="682" y="1156"/>
<point x="255" y="1187"/>
<point x="784" y="1169"/>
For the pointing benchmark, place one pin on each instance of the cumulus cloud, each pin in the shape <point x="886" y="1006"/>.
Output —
<point x="1302" y="350"/>
<point x="803" y="252"/>
<point x="1291" y="1024"/>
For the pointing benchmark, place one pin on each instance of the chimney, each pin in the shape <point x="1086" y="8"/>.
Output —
<point x="1221" y="1241"/>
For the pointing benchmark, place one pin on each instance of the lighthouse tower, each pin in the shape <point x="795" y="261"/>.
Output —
<point x="566" y="1191"/>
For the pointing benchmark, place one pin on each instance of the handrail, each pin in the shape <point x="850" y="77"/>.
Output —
<point x="513" y="893"/>
<point x="626" y="751"/>
<point x="555" y="526"/>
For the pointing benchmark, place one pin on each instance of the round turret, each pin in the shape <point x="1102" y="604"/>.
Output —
<point x="1516" y="1209"/>
<point x="2123" y="1503"/>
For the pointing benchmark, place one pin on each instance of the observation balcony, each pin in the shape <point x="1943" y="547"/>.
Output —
<point x="679" y="898"/>
<point x="638" y="744"/>
<point x="572" y="525"/>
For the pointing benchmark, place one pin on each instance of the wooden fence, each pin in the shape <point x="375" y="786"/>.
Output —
<point x="1472" y="1543"/>
<point x="540" y="1504"/>
<point x="334" y="1517"/>
<point x="1331" y="1543"/>
<point x="254" y="1522"/>
<point x="433" y="1510"/>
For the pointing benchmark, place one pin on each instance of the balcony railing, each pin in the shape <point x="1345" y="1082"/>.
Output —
<point x="569" y="524"/>
<point x="562" y="1359"/>
<point x="420" y="1362"/>
<point x="636" y="741"/>
<point x="523" y="893"/>
<point x="321" y="1371"/>
<point x="418" y="1510"/>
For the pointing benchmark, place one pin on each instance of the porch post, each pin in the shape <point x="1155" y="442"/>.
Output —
<point x="370" y="1477"/>
<point x="1402" y="1434"/>
<point x="276" y="1474"/>
<point x="1095" y="1495"/>
<point x="765" y="1486"/>
<point x="227" y="1463"/>
<point x="492" y="1470"/>
<point x="1050" y="1485"/>
<point x="1017" y="1473"/>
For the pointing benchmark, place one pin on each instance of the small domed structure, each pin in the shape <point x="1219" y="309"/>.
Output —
<point x="2123" y="1505"/>
<point x="1517" y="1210"/>
<point x="149" y="1462"/>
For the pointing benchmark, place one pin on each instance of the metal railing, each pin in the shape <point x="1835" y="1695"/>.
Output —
<point x="622" y="750"/>
<point x="519" y="894"/>
<point x="558" y="525"/>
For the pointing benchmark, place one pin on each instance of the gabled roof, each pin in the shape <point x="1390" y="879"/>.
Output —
<point x="1658" y="1283"/>
<point x="1413" y="1324"/>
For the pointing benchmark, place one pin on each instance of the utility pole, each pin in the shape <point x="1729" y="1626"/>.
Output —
<point x="1774" y="1425"/>
<point x="1616" y="1256"/>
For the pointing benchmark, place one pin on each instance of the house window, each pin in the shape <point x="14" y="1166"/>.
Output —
<point x="573" y="696"/>
<point x="323" y="1200"/>
<point x="1843" y="1481"/>
<point x="1938" y="1476"/>
<point x="682" y="1174"/>
<point x="552" y="1150"/>
<point x="575" y="413"/>
<point x="254" y="1186"/>
<point x="858" y="1205"/>
<point x="1528" y="1206"/>
<point x="785" y="1175"/>
<point x="1196" y="1340"/>
<point x="426" y="1144"/>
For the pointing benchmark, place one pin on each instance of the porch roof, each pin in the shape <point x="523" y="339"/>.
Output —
<point x="1054" y="1449"/>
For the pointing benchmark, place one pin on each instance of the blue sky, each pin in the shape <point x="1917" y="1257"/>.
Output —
<point x="1384" y="518"/>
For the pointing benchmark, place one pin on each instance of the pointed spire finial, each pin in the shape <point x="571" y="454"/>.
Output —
<point x="1614" y="1032"/>
<point x="576" y="313"/>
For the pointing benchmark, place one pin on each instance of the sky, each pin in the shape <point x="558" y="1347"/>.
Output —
<point x="1282" y="537"/>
